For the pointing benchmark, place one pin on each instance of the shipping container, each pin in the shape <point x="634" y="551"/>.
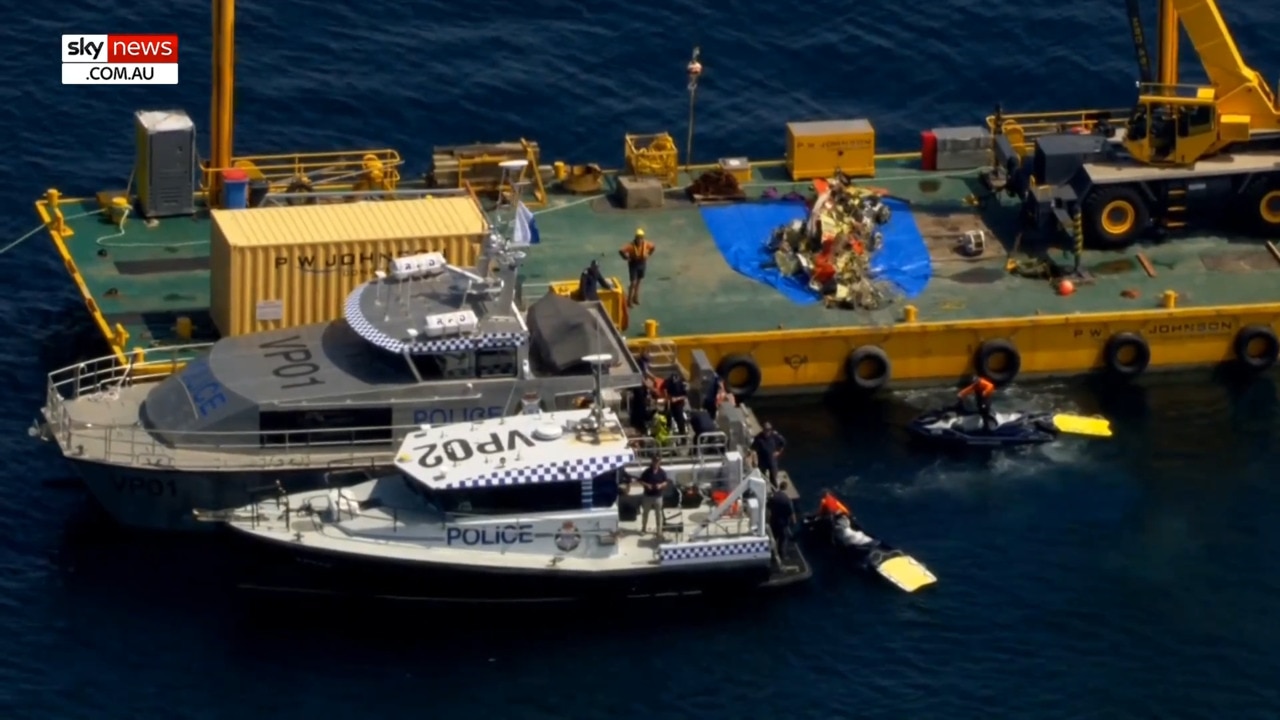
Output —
<point x="278" y="267"/>
<point x="818" y="149"/>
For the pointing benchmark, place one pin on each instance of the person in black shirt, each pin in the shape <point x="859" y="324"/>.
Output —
<point x="781" y="514"/>
<point x="638" y="409"/>
<point x="590" y="282"/>
<point x="712" y="387"/>
<point x="654" y="483"/>
<point x="768" y="447"/>
<point x="677" y="399"/>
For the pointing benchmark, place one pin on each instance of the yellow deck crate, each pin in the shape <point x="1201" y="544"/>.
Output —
<point x="818" y="149"/>
<point x="738" y="167"/>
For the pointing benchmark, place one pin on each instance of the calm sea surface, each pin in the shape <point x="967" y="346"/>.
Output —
<point x="1129" y="578"/>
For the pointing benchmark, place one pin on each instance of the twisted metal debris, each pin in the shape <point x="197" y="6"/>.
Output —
<point x="833" y="248"/>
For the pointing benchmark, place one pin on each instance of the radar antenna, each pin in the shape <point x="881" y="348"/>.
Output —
<point x="598" y="363"/>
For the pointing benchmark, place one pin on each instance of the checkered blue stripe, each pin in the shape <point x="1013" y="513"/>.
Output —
<point x="706" y="552"/>
<point x="364" y="328"/>
<point x="561" y="471"/>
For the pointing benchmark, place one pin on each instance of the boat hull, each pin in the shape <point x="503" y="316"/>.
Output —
<point x="159" y="499"/>
<point x="287" y="567"/>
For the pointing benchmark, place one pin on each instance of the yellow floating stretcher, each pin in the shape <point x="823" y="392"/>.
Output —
<point x="1082" y="425"/>
<point x="906" y="572"/>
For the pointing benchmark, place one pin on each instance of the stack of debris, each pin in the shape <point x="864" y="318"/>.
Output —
<point x="832" y="249"/>
<point x="715" y="185"/>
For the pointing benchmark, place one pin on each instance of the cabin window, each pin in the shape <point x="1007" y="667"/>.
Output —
<point x="501" y="362"/>
<point x="511" y="499"/>
<point x="444" y="366"/>
<point x="364" y="426"/>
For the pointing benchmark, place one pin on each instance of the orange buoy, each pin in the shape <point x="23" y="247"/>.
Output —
<point x="1066" y="287"/>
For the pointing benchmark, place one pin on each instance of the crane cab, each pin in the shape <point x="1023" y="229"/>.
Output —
<point x="1180" y="125"/>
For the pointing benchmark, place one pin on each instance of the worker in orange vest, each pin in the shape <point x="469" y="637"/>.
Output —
<point x="831" y="505"/>
<point x="981" y="390"/>
<point x="637" y="254"/>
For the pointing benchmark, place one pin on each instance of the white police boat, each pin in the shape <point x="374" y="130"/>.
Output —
<point x="536" y="507"/>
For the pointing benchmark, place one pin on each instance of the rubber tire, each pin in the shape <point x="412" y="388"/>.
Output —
<point x="1099" y="200"/>
<point x="754" y="376"/>
<point x="1251" y="208"/>
<point x="1246" y="337"/>
<point x="1117" y="344"/>
<point x="988" y="350"/>
<point x="868" y="353"/>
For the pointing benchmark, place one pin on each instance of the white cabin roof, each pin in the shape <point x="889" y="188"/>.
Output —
<point x="517" y="450"/>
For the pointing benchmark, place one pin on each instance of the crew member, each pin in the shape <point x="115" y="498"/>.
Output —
<point x="677" y="392"/>
<point x="831" y="505"/>
<point x="638" y="408"/>
<point x="654" y="483"/>
<point x="981" y="390"/>
<point x="768" y="446"/>
<point x="590" y="282"/>
<point x="646" y="365"/>
<point x="713" y="393"/>
<point x="637" y="254"/>
<point x="701" y="423"/>
<point x="781" y="514"/>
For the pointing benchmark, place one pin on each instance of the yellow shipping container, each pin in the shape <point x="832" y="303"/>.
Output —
<point x="278" y="267"/>
<point x="818" y="149"/>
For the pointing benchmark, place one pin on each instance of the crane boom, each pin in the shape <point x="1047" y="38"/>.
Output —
<point x="1139" y="41"/>
<point x="1238" y="88"/>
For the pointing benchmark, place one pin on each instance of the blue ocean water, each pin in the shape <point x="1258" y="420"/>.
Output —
<point x="1129" y="578"/>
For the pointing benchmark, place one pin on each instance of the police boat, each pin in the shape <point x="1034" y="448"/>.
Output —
<point x="423" y="342"/>
<point x="532" y="508"/>
<point x="952" y="427"/>
<point x="868" y="553"/>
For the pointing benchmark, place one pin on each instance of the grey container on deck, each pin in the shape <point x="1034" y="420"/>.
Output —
<point x="962" y="148"/>
<point x="165" y="168"/>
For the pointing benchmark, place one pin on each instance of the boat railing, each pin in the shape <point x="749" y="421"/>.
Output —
<point x="335" y="449"/>
<point x="377" y="169"/>
<point x="1023" y="128"/>
<point x="107" y="373"/>
<point x="676" y="448"/>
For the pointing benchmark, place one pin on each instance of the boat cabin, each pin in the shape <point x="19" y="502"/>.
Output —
<point x="426" y="342"/>
<point x="557" y="486"/>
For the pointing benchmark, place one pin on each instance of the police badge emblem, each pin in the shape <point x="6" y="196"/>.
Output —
<point x="568" y="539"/>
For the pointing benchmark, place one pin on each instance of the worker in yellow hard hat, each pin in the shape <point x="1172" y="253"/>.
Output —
<point x="637" y="254"/>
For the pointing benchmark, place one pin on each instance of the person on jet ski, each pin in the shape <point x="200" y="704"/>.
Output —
<point x="843" y="531"/>
<point x="981" y="390"/>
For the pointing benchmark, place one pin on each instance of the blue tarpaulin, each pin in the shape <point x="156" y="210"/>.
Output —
<point x="742" y="232"/>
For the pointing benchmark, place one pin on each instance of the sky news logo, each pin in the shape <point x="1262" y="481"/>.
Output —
<point x="119" y="59"/>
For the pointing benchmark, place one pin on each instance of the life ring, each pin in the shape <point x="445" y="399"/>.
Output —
<point x="1264" y="339"/>
<point x="998" y="361"/>
<point x="732" y="364"/>
<point x="868" y="368"/>
<point x="1126" y="354"/>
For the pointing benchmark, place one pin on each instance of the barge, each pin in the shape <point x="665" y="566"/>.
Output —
<point x="1181" y="300"/>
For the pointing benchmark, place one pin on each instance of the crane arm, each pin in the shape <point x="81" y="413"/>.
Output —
<point x="1239" y="89"/>
<point x="1139" y="41"/>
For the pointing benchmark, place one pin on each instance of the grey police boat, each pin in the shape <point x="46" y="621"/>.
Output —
<point x="424" y="343"/>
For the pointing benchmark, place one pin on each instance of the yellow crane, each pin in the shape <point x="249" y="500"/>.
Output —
<point x="1177" y="124"/>
<point x="1187" y="154"/>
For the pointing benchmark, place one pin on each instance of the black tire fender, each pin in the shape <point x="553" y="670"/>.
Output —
<point x="1117" y="345"/>
<point x="988" y="351"/>
<point x="877" y="359"/>
<point x="1251" y="334"/>
<point x="731" y="363"/>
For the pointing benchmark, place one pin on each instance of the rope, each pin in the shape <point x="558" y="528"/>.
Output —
<point x="102" y="241"/>
<point x="27" y="236"/>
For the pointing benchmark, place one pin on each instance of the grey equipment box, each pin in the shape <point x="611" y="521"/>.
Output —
<point x="963" y="148"/>
<point x="165" y="168"/>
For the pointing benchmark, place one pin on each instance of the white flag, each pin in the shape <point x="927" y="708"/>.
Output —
<point x="526" y="232"/>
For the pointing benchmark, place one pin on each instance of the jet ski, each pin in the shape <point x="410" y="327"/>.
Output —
<point x="956" y="428"/>
<point x="871" y="554"/>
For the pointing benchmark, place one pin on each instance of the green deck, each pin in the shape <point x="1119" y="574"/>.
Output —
<point x="151" y="275"/>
